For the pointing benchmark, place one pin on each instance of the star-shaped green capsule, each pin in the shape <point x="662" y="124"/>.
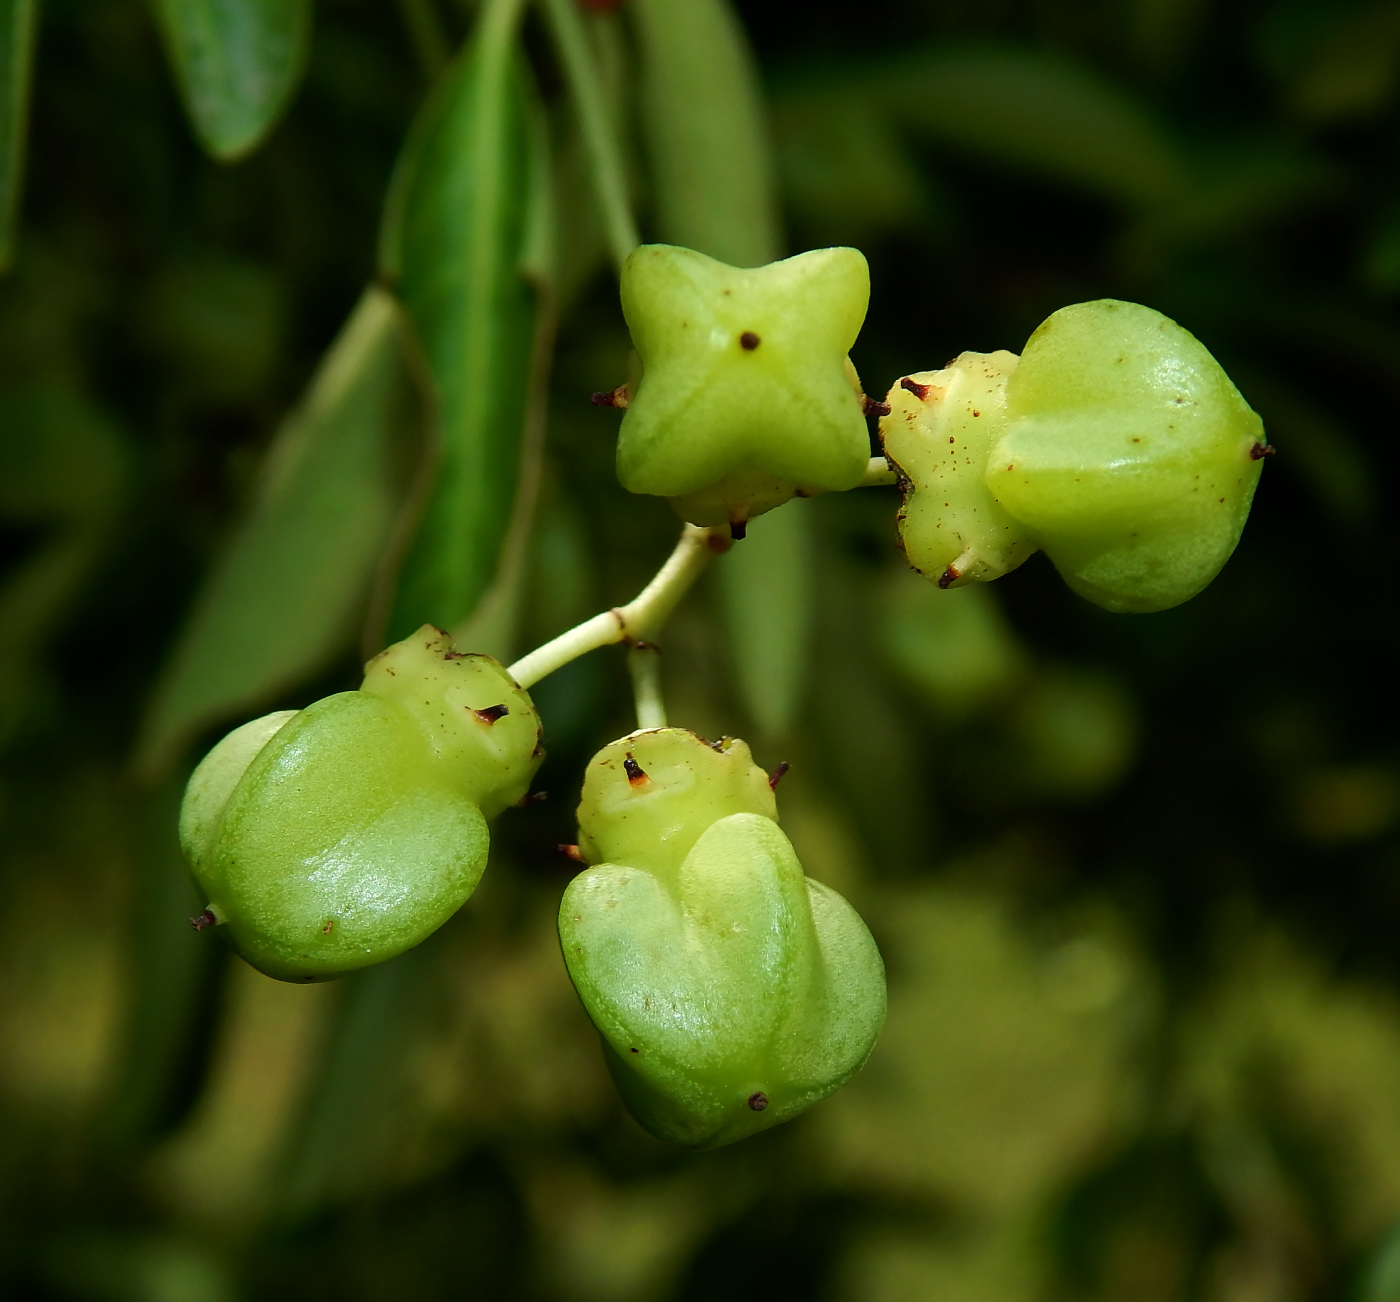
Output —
<point x="747" y="396"/>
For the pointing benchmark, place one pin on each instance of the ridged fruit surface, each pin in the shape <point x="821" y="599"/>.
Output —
<point x="732" y="992"/>
<point x="334" y="837"/>
<point x="746" y="395"/>
<point x="1127" y="453"/>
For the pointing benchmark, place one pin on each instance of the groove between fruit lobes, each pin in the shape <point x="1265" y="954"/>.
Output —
<point x="747" y="396"/>
<point x="731" y="991"/>
<point x="334" y="837"/>
<point x="1116" y="443"/>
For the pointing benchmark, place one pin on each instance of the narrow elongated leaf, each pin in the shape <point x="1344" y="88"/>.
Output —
<point x="17" y="24"/>
<point x="456" y="239"/>
<point x="713" y="175"/>
<point x="347" y="1134"/>
<point x="707" y="137"/>
<point x="283" y="598"/>
<point x="493" y="626"/>
<point x="237" y="63"/>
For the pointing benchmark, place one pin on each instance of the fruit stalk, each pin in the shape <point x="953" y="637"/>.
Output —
<point x="644" y="665"/>
<point x="640" y="620"/>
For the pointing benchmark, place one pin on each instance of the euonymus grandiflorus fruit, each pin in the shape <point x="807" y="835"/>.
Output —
<point x="1116" y="443"/>
<point x="731" y="991"/>
<point x="747" y="396"/>
<point x="939" y="430"/>
<point x="333" y="837"/>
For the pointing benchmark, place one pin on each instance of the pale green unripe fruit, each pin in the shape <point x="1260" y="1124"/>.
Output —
<point x="937" y="435"/>
<point x="455" y="699"/>
<point x="731" y="991"/>
<point x="1127" y="453"/>
<point x="746" y="396"/>
<point x="337" y="836"/>
<point x="648" y="798"/>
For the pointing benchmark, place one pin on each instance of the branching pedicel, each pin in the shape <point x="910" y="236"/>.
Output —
<point x="731" y="991"/>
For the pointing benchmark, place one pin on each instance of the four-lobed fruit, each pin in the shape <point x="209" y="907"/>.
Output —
<point x="1116" y="443"/>
<point x="334" y="837"/>
<point x="731" y="991"/>
<point x="747" y="396"/>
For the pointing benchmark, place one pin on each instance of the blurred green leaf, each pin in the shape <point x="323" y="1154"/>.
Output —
<point x="17" y="28"/>
<point x="237" y="63"/>
<point x="1380" y="1279"/>
<point x="493" y="626"/>
<point x="1038" y="111"/>
<point x="712" y="169"/>
<point x="768" y="588"/>
<point x="282" y="600"/>
<point x="344" y="1140"/>
<point x="457" y="241"/>
<point x="705" y="129"/>
<point x="954" y="646"/>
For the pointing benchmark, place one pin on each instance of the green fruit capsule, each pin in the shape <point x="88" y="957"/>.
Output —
<point x="1127" y="453"/>
<point x="747" y="396"/>
<point x="938" y="433"/>
<point x="731" y="991"/>
<point x="334" y="837"/>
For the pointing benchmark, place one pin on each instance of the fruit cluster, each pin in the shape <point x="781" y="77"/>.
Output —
<point x="730" y="990"/>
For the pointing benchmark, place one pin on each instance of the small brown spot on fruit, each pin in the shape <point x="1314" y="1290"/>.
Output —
<point x="758" y="1100"/>
<point x="638" y="1050"/>
<point x="748" y="341"/>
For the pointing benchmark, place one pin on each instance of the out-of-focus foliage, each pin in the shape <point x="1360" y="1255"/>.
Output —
<point x="237" y="63"/>
<point x="288" y="586"/>
<point x="1134" y="878"/>
<point x="16" y="61"/>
